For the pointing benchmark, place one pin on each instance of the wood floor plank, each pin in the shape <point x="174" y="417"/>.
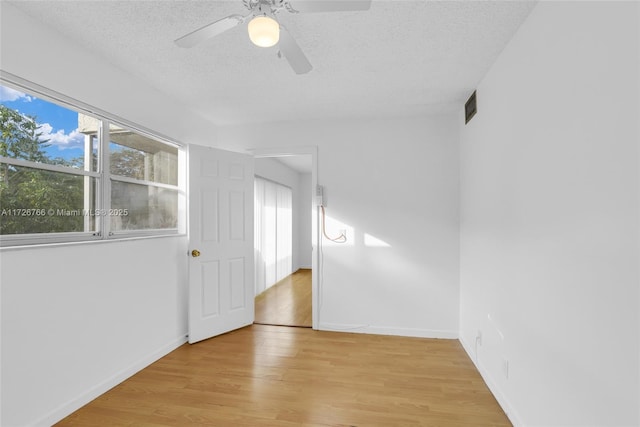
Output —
<point x="277" y="376"/>
<point x="287" y="303"/>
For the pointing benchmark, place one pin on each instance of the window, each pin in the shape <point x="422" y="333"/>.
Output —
<point x="61" y="181"/>
<point x="144" y="181"/>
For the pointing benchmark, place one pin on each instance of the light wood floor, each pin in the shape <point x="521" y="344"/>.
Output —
<point x="277" y="376"/>
<point x="287" y="303"/>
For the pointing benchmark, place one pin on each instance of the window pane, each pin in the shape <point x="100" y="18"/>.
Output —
<point x="136" y="156"/>
<point x="38" y="201"/>
<point x="40" y="131"/>
<point x="142" y="207"/>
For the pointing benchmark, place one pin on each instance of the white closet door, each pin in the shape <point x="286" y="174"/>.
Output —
<point x="284" y="238"/>
<point x="274" y="233"/>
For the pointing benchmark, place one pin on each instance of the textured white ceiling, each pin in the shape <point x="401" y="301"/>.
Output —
<point x="400" y="57"/>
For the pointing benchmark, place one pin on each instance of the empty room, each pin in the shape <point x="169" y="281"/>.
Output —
<point x="320" y="213"/>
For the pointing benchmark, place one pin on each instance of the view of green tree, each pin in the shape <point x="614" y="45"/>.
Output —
<point x="127" y="162"/>
<point x="34" y="200"/>
<point x="20" y="136"/>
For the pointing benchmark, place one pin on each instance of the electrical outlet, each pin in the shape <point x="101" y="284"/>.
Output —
<point x="479" y="337"/>
<point x="319" y="195"/>
<point x="505" y="368"/>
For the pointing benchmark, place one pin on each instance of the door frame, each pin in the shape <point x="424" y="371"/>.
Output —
<point x="315" y="229"/>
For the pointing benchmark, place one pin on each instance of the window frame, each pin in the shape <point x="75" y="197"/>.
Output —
<point x="102" y="175"/>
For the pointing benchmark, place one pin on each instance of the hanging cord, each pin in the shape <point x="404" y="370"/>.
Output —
<point x="342" y="238"/>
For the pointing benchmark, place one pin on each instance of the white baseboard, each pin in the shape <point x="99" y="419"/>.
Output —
<point x="385" y="330"/>
<point x="504" y="403"/>
<point x="86" y="397"/>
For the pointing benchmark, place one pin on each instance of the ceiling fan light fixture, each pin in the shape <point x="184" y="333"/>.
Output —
<point x="264" y="31"/>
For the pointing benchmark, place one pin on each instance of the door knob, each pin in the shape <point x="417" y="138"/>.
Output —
<point x="195" y="253"/>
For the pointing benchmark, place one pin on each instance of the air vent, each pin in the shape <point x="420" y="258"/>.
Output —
<point x="470" y="108"/>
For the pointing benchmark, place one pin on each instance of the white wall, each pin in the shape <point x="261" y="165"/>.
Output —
<point x="549" y="218"/>
<point x="77" y="319"/>
<point x="396" y="180"/>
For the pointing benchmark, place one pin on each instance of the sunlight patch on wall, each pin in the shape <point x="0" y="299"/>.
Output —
<point x="337" y="233"/>
<point x="374" y="242"/>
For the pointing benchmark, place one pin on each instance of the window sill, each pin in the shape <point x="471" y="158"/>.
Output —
<point x="13" y="246"/>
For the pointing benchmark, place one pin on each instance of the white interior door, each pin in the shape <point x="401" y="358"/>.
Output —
<point x="221" y="279"/>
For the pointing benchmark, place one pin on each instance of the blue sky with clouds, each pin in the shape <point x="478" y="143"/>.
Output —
<point x="57" y="124"/>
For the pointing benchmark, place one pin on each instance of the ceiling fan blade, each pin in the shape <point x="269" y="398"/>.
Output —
<point x="210" y="30"/>
<point x="292" y="52"/>
<point x="313" y="6"/>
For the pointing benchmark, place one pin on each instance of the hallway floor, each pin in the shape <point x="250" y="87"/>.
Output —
<point x="287" y="303"/>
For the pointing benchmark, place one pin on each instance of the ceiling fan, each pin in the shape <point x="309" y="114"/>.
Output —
<point x="265" y="30"/>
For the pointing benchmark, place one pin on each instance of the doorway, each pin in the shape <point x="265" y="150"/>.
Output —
<point x="285" y="284"/>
